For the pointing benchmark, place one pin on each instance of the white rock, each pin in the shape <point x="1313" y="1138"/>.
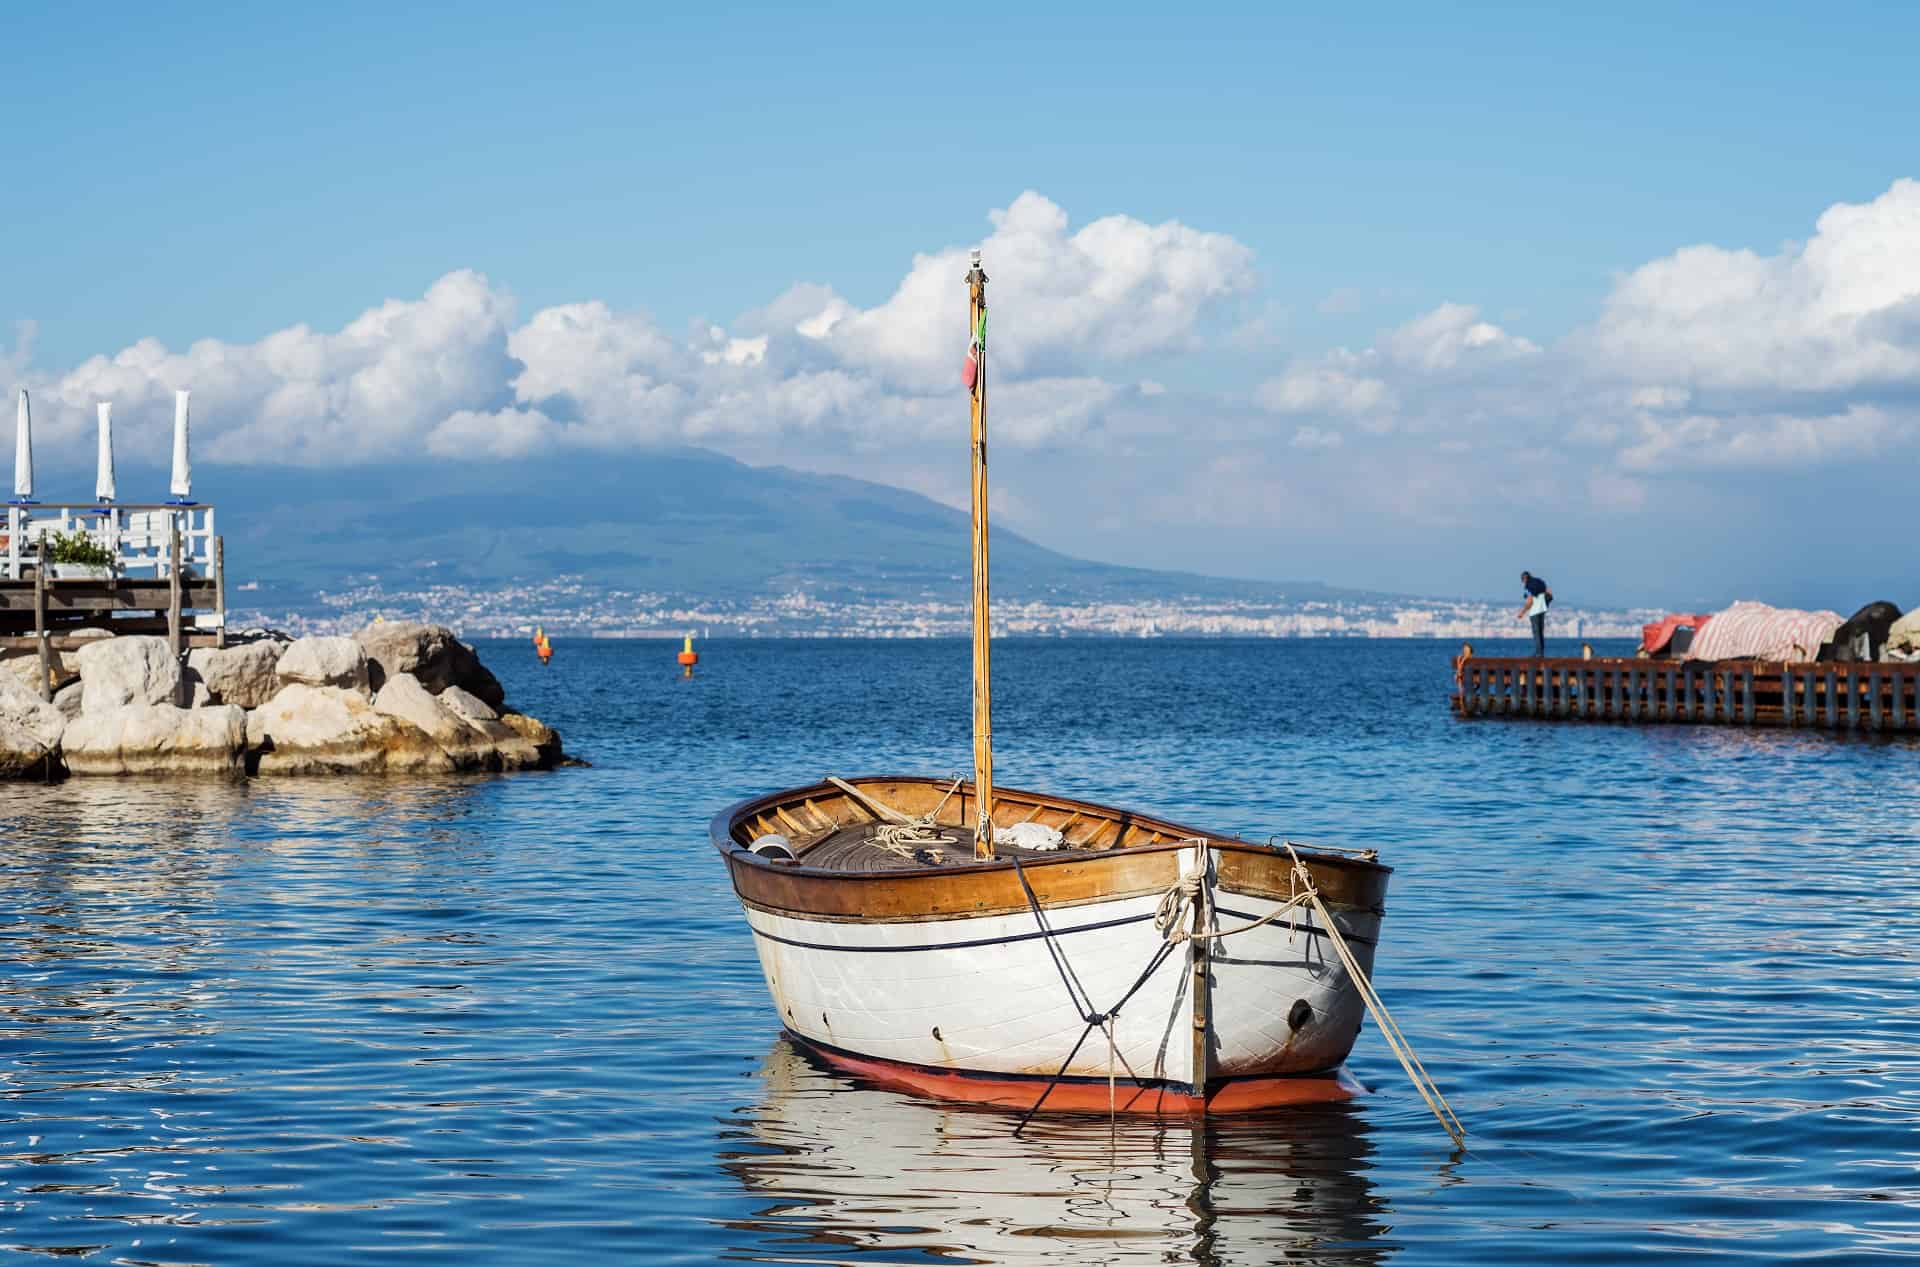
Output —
<point x="30" y="732"/>
<point x="467" y="704"/>
<point x="24" y="666"/>
<point x="243" y="674"/>
<point x="68" y="699"/>
<point x="308" y="729"/>
<point x="465" y="744"/>
<point x="130" y="670"/>
<point x="432" y="654"/>
<point x="322" y="661"/>
<point x="157" y="739"/>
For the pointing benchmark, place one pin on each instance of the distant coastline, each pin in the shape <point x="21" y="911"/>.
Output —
<point x="571" y="606"/>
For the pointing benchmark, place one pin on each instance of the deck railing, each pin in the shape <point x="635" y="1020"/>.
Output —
<point x="139" y="537"/>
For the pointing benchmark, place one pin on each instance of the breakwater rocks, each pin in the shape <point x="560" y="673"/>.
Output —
<point x="398" y="697"/>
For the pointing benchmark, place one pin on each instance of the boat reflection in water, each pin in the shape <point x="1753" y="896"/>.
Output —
<point x="853" y="1173"/>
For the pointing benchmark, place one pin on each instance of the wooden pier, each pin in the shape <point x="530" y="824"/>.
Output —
<point x="167" y="577"/>
<point x="1862" y="697"/>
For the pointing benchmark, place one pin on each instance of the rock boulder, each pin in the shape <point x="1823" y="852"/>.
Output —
<point x="30" y="733"/>
<point x="157" y="739"/>
<point x="243" y="674"/>
<point x="432" y="654"/>
<point x="331" y="661"/>
<point x="468" y="705"/>
<point x="544" y="739"/>
<point x="465" y="744"/>
<point x="307" y="729"/>
<point x="24" y="667"/>
<point x="131" y="670"/>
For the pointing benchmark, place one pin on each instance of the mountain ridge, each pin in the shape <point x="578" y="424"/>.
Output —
<point x="675" y="521"/>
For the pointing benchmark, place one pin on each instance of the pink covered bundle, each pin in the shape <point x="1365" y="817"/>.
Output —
<point x="1755" y="631"/>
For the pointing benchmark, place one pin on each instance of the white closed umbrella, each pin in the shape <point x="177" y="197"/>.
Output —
<point x="182" y="469"/>
<point x="103" y="490"/>
<point x="23" y="451"/>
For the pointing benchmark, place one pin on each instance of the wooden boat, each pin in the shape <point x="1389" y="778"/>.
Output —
<point x="979" y="980"/>
<point x="1031" y="950"/>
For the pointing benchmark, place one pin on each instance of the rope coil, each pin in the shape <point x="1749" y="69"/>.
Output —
<point x="898" y="834"/>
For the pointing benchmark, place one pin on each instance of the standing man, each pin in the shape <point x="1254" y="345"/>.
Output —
<point x="1537" y="599"/>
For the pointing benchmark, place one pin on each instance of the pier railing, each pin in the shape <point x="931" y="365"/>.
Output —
<point x="138" y="537"/>
<point x="1870" y="696"/>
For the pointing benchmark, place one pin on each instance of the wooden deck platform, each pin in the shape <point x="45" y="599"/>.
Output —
<point x="80" y="602"/>
<point x="1862" y="697"/>
<point x="161" y="569"/>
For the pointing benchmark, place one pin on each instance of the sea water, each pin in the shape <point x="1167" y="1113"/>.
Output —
<point x="1666" y="975"/>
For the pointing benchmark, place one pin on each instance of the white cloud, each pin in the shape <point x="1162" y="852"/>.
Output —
<point x="1115" y="290"/>
<point x="1337" y="385"/>
<point x="1705" y="360"/>
<point x="1841" y="312"/>
<point x="1315" y="438"/>
<point x="1706" y="365"/>
<point x="375" y="388"/>
<point x="1449" y="336"/>
<point x="452" y="374"/>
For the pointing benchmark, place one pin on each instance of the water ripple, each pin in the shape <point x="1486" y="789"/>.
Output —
<point x="1667" y="976"/>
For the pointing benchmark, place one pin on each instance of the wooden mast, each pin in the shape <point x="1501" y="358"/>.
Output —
<point x="982" y="675"/>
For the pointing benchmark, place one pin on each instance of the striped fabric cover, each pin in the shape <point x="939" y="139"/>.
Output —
<point x="1755" y="631"/>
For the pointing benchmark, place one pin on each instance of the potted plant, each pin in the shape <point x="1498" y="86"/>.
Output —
<point x="76" y="555"/>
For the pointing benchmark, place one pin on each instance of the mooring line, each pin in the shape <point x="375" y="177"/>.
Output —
<point x="1086" y="1013"/>
<point x="1416" y="1072"/>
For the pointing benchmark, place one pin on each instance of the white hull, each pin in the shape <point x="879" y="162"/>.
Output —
<point x="984" y="995"/>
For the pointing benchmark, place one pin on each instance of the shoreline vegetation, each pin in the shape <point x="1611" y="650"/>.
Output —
<point x="395" y="697"/>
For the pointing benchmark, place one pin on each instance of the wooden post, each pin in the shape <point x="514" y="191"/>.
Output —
<point x="40" y="628"/>
<point x="173" y="589"/>
<point x="1201" y="965"/>
<point x="220" y="591"/>
<point x="982" y="626"/>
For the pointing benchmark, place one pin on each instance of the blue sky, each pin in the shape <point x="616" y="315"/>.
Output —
<point x="228" y="174"/>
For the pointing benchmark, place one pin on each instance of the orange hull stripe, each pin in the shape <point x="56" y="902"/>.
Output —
<point x="1238" y="1095"/>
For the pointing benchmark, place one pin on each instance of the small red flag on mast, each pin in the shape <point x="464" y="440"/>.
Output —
<point x="976" y="345"/>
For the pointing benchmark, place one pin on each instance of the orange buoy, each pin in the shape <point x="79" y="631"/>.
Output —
<point x="688" y="657"/>
<point x="541" y="647"/>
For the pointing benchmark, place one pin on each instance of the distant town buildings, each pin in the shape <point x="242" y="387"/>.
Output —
<point x="574" y="606"/>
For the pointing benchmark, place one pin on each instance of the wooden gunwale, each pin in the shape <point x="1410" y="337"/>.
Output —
<point x="992" y="887"/>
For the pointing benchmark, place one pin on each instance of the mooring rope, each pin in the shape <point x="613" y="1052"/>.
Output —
<point x="1075" y="992"/>
<point x="1171" y="920"/>
<point x="1174" y="904"/>
<point x="1422" y="1081"/>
